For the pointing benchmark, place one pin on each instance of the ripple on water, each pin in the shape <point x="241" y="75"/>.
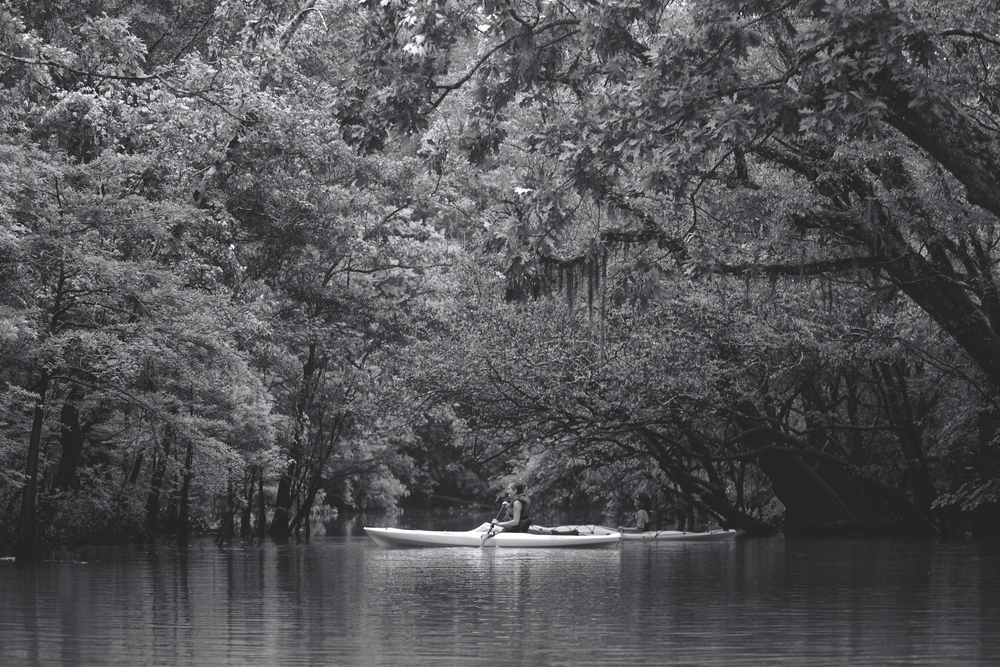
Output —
<point x="346" y="602"/>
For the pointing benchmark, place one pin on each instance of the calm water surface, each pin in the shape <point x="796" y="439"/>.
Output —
<point x="345" y="601"/>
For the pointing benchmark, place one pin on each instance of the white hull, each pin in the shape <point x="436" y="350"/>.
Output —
<point x="399" y="537"/>
<point x="657" y="536"/>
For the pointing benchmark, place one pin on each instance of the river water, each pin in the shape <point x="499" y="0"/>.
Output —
<point x="344" y="601"/>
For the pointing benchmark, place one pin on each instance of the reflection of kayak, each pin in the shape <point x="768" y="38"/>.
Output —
<point x="401" y="537"/>
<point x="655" y="535"/>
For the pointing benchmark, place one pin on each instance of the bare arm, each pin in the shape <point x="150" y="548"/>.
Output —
<point x="514" y="520"/>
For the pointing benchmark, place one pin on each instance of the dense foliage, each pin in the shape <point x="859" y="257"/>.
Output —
<point x="199" y="275"/>
<point x="261" y="258"/>
<point x="794" y="202"/>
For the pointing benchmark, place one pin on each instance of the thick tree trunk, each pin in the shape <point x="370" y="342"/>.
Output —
<point x="284" y="499"/>
<point x="807" y="498"/>
<point x="810" y="502"/>
<point x="71" y="437"/>
<point x="961" y="145"/>
<point x="133" y="475"/>
<point x="288" y="484"/>
<point x="972" y="156"/>
<point x="27" y="547"/>
<point x="912" y="521"/>
<point x="302" y="516"/>
<point x="945" y="300"/>
<point x="930" y="285"/>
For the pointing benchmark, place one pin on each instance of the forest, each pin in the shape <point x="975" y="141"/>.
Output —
<point x="266" y="260"/>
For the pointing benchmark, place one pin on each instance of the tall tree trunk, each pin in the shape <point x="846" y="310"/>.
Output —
<point x="133" y="475"/>
<point x="900" y="413"/>
<point x="811" y="505"/>
<point x="156" y="487"/>
<point x="71" y="437"/>
<point x="183" y="519"/>
<point x="169" y="524"/>
<point x="288" y="484"/>
<point x="261" y="507"/>
<point x="316" y="479"/>
<point x="305" y="509"/>
<point x="227" y="520"/>
<point x="246" y="528"/>
<point x="27" y="548"/>
<point x="284" y="499"/>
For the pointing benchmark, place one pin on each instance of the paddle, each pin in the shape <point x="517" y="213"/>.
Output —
<point x="489" y="532"/>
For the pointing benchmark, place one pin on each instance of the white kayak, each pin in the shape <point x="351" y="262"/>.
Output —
<point x="482" y="537"/>
<point x="653" y="535"/>
<point x="681" y="536"/>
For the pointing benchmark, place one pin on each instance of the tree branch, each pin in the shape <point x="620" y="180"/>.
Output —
<point x="805" y="269"/>
<point x="43" y="62"/>
<point x="447" y="88"/>
<point x="974" y="34"/>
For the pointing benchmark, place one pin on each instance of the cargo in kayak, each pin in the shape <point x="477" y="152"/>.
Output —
<point x="633" y="535"/>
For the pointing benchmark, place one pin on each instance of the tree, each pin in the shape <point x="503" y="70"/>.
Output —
<point x="867" y="126"/>
<point x="108" y="307"/>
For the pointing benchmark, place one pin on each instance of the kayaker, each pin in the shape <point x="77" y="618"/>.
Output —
<point x="518" y="507"/>
<point x="642" y="519"/>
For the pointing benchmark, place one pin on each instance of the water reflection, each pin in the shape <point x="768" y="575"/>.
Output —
<point x="344" y="601"/>
<point x="499" y="602"/>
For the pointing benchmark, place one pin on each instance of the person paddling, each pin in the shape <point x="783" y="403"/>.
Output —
<point x="642" y="519"/>
<point x="519" y="509"/>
